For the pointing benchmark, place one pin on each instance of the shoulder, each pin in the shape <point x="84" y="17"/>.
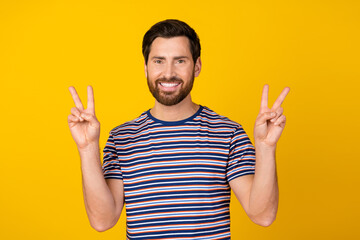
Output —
<point x="210" y="116"/>
<point x="133" y="125"/>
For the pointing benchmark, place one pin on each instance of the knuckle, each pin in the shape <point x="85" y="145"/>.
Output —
<point x="261" y="116"/>
<point x="71" y="118"/>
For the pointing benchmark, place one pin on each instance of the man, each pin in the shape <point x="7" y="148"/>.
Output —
<point x="174" y="165"/>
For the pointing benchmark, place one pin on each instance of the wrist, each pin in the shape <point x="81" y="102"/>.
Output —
<point x="89" y="148"/>
<point x="264" y="149"/>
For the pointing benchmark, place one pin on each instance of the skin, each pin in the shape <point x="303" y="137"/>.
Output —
<point x="259" y="193"/>
<point x="172" y="58"/>
<point x="104" y="199"/>
<point x="169" y="57"/>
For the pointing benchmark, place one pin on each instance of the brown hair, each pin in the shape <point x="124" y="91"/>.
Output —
<point x="171" y="28"/>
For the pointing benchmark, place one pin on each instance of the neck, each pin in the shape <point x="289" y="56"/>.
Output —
<point x="186" y="108"/>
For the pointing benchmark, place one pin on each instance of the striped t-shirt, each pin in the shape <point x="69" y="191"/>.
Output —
<point x="176" y="174"/>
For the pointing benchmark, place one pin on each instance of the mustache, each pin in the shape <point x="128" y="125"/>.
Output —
<point x="169" y="80"/>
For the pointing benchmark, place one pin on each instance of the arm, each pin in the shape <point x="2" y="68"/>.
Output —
<point x="259" y="193"/>
<point x="104" y="199"/>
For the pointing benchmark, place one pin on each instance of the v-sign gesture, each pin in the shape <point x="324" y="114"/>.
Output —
<point x="270" y="122"/>
<point x="84" y="127"/>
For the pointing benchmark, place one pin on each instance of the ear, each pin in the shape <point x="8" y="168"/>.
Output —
<point x="145" y="68"/>
<point x="197" y="67"/>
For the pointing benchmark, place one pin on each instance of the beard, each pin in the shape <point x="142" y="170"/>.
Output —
<point x="173" y="97"/>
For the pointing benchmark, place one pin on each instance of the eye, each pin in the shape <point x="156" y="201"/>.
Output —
<point x="181" y="61"/>
<point x="157" y="61"/>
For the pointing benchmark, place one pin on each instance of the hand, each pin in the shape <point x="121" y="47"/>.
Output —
<point x="84" y="127"/>
<point x="270" y="122"/>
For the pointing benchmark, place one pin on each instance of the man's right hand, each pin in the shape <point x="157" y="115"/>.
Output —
<point x="84" y="127"/>
<point x="104" y="200"/>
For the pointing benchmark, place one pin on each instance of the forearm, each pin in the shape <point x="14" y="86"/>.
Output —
<point x="100" y="204"/>
<point x="259" y="194"/>
<point x="264" y="194"/>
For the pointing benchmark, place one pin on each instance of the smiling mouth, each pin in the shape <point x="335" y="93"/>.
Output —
<point x="169" y="85"/>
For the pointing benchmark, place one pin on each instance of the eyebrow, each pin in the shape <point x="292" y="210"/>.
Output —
<point x="157" y="57"/>
<point x="179" y="57"/>
<point x="163" y="58"/>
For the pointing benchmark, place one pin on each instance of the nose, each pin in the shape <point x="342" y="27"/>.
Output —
<point x="169" y="71"/>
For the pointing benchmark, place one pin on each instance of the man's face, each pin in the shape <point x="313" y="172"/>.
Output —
<point x="170" y="70"/>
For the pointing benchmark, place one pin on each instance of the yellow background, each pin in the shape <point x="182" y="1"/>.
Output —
<point x="310" y="46"/>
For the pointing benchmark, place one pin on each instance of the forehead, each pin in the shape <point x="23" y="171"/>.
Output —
<point x="170" y="46"/>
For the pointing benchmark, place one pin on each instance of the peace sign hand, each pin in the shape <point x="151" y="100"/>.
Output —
<point x="84" y="127"/>
<point x="270" y="122"/>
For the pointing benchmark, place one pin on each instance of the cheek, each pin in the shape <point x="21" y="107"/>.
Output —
<point x="186" y="72"/>
<point x="154" y="72"/>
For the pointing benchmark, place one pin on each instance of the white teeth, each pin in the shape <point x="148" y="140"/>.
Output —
<point x="169" y="84"/>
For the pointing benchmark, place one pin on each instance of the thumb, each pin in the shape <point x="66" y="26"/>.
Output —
<point x="90" y="118"/>
<point x="265" y="117"/>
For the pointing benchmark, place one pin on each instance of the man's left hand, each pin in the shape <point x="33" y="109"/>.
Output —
<point x="270" y="123"/>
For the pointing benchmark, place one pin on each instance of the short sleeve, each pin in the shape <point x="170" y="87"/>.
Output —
<point x="241" y="159"/>
<point x="111" y="165"/>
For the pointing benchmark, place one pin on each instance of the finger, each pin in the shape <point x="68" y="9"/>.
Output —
<point x="279" y="112"/>
<point x="76" y="112"/>
<point x="72" y="118"/>
<point x="76" y="98"/>
<point x="90" y="118"/>
<point x="263" y="117"/>
<point x="281" y="98"/>
<point x="90" y="99"/>
<point x="280" y="121"/>
<point x="264" y="98"/>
